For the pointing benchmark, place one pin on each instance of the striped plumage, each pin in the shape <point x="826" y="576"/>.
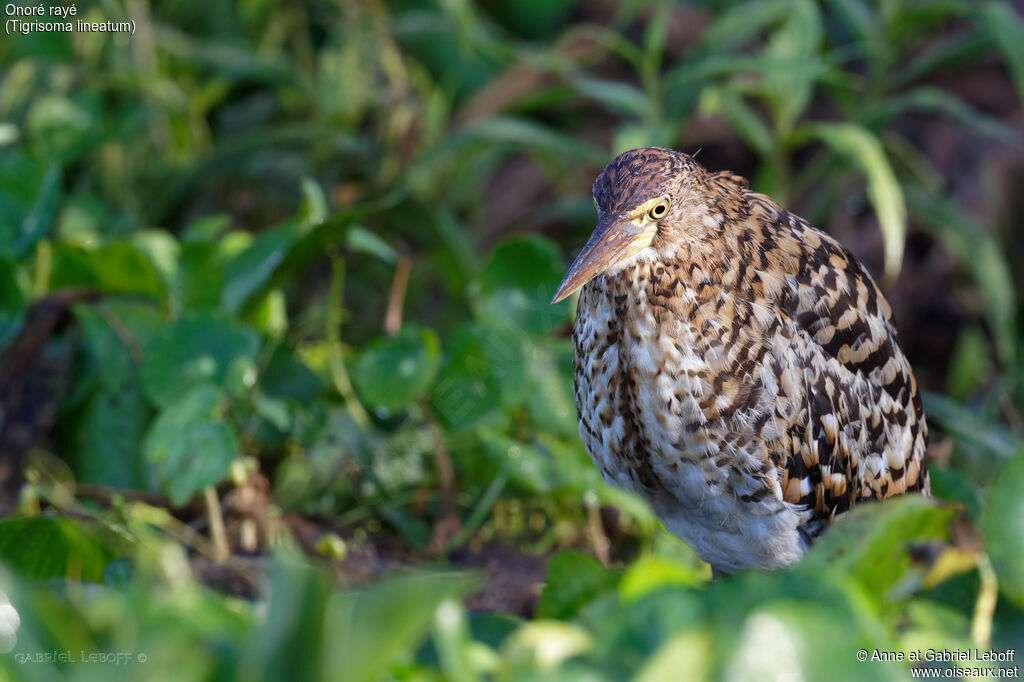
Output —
<point x="734" y="365"/>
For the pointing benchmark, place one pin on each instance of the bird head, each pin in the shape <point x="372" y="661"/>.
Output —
<point x="640" y="195"/>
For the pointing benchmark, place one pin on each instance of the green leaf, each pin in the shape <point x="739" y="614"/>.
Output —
<point x="118" y="267"/>
<point x="546" y="646"/>
<point x="934" y="100"/>
<point x="551" y="405"/>
<point x="197" y="349"/>
<point x="983" y="255"/>
<point x="162" y="250"/>
<point x="871" y="542"/>
<point x="789" y="637"/>
<point x="651" y="573"/>
<point x="62" y="128"/>
<point x="523" y="464"/>
<point x="391" y="373"/>
<point x="361" y="240"/>
<point x="483" y="370"/>
<point x="200" y="276"/>
<point x="39" y="547"/>
<point x="273" y="410"/>
<point x="313" y="209"/>
<point x="685" y="656"/>
<point x="790" y="51"/>
<point x="104" y="434"/>
<point x="1002" y="524"/>
<point x="291" y="640"/>
<point x="740" y="24"/>
<point x="190" y="445"/>
<point x="248" y="272"/>
<point x="745" y="121"/>
<point x="504" y="132"/>
<point x="996" y="440"/>
<point x="29" y="194"/>
<point x="884" y="190"/>
<point x="370" y="629"/>
<point x="1006" y="29"/>
<point x="516" y="287"/>
<point x="617" y="97"/>
<point x="574" y="579"/>
<point x="12" y="300"/>
<point x="863" y="20"/>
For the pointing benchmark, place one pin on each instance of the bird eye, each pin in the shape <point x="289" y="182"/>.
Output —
<point x="658" y="211"/>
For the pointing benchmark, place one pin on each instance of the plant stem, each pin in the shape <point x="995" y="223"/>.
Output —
<point x="396" y="297"/>
<point x="984" y="608"/>
<point x="335" y="296"/>
<point x="218" y="534"/>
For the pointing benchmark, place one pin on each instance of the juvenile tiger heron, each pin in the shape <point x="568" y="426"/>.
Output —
<point x="734" y="365"/>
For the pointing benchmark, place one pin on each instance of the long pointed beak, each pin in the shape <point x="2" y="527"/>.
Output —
<point x="614" y="238"/>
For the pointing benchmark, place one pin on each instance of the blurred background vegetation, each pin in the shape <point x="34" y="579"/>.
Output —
<point x="282" y="397"/>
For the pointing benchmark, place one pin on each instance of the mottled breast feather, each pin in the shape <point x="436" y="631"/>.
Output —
<point x="747" y="380"/>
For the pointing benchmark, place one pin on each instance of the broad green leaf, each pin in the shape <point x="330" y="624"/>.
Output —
<point x="390" y="373"/>
<point x="685" y="656"/>
<point x="29" y="194"/>
<point x="370" y="629"/>
<point x="573" y="579"/>
<point x="200" y="276"/>
<point x="884" y="189"/>
<point x="285" y="376"/>
<point x="290" y="643"/>
<point x="249" y="271"/>
<point x="790" y="637"/>
<point x="12" y="300"/>
<point x="268" y="314"/>
<point x="162" y="250"/>
<point x="516" y="286"/>
<point x="631" y="632"/>
<point x="117" y="267"/>
<point x="190" y="444"/>
<point x="454" y="642"/>
<point x="1002" y="524"/>
<point x="523" y="464"/>
<point x="61" y="127"/>
<point x="549" y="385"/>
<point x="543" y="646"/>
<point x="651" y="573"/>
<point x="483" y="370"/>
<point x="40" y="547"/>
<point x="104" y="434"/>
<point x="197" y="349"/>
<point x="871" y="542"/>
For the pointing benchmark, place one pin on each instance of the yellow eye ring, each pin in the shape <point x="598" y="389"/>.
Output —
<point x="658" y="211"/>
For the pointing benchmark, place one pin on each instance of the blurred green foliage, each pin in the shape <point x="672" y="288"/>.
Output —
<point x="306" y="256"/>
